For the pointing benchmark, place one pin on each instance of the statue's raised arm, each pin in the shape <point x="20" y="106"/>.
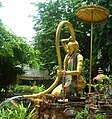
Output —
<point x="72" y="69"/>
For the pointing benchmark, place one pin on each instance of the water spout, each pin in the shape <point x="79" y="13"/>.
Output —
<point x="7" y="100"/>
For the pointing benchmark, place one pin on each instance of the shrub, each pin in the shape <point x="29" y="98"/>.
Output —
<point x="16" y="112"/>
<point x="28" y="89"/>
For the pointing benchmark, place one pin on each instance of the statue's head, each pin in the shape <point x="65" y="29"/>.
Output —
<point x="73" y="46"/>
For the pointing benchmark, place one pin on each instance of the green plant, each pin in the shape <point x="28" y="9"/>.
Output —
<point x="39" y="89"/>
<point x="4" y="114"/>
<point x="82" y="115"/>
<point x="22" y="89"/>
<point x="98" y="86"/>
<point x="16" y="112"/>
<point x="85" y="70"/>
<point x="21" y="112"/>
<point x="100" y="116"/>
<point x="28" y="89"/>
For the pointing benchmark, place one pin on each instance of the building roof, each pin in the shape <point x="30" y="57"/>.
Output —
<point x="34" y="74"/>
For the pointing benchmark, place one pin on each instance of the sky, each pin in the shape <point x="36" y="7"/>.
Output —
<point x="15" y="15"/>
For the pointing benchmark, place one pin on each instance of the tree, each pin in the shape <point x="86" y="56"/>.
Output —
<point x="52" y="12"/>
<point x="14" y="54"/>
<point x="102" y="50"/>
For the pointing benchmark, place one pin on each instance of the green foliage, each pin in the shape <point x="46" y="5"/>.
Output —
<point x="110" y="79"/>
<point x="85" y="70"/>
<point x="28" y="89"/>
<point x="14" y="54"/>
<point x="49" y="16"/>
<point x="4" y="114"/>
<point x="100" y="116"/>
<point x="17" y="111"/>
<point x="83" y="114"/>
<point x="102" y="39"/>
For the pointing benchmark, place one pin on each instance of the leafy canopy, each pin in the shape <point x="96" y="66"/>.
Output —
<point x="14" y="54"/>
<point x="47" y="19"/>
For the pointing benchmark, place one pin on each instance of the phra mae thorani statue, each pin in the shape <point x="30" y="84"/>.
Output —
<point x="72" y="70"/>
<point x="73" y="83"/>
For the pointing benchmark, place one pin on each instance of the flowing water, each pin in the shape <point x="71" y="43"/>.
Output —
<point x="7" y="100"/>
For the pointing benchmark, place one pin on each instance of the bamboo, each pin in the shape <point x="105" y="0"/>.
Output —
<point x="90" y="78"/>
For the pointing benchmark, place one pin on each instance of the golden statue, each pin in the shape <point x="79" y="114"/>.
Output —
<point x="72" y="69"/>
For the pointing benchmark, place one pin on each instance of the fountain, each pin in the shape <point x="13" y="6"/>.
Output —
<point x="8" y="100"/>
<point x="65" y="100"/>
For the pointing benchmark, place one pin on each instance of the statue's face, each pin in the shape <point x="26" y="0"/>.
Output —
<point x="73" y="46"/>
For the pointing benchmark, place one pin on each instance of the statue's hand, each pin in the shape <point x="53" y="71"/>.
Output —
<point x="64" y="72"/>
<point x="71" y="39"/>
<point x="59" y="72"/>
